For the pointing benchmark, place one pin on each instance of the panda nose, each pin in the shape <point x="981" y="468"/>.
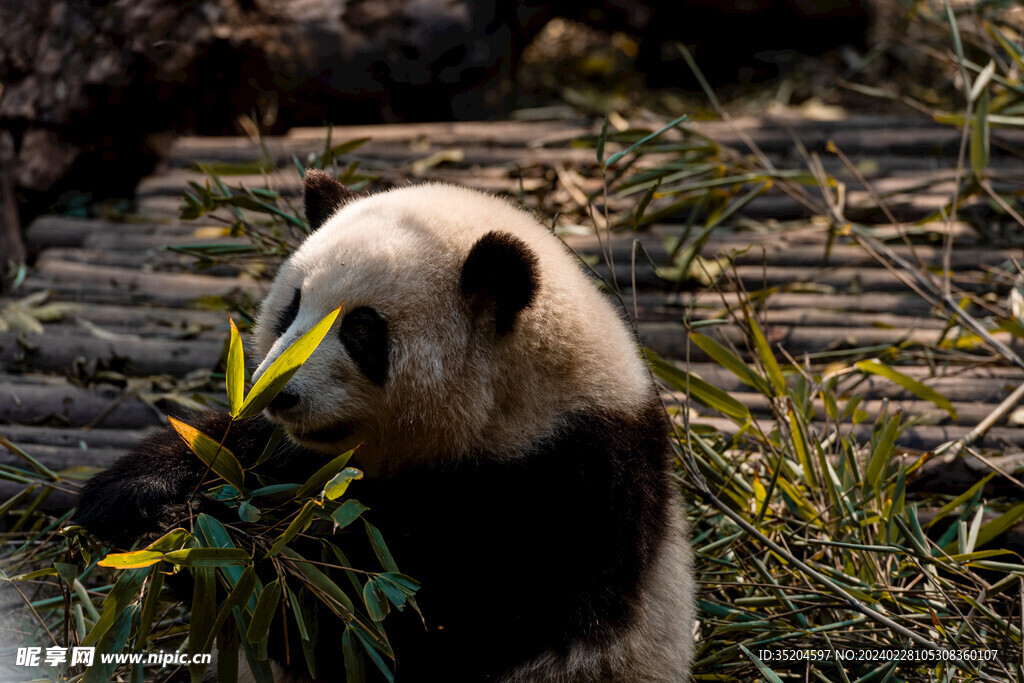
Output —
<point x="284" y="400"/>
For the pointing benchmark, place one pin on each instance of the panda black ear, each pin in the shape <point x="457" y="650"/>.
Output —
<point x="500" y="277"/>
<point x="323" y="195"/>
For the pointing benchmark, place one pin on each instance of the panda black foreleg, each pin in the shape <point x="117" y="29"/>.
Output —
<point x="150" y="489"/>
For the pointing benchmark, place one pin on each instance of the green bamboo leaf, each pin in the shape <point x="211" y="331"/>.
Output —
<point x="798" y="502"/>
<point x="354" y="671"/>
<point x="876" y="367"/>
<point x="1010" y="48"/>
<point x="380" y="549"/>
<point x="208" y="557"/>
<point x="149" y="605"/>
<point x="239" y="596"/>
<point x="274" y="490"/>
<point x="220" y="458"/>
<point x="699" y="390"/>
<point x="235" y="372"/>
<point x="999" y="525"/>
<point x="980" y="136"/>
<point x="319" y="479"/>
<point x="212" y="533"/>
<point x="175" y="539"/>
<point x="644" y="140"/>
<point x="133" y="560"/>
<point x="601" y="139"/>
<point x="45" y="571"/>
<point x="337" y="486"/>
<point x="266" y="608"/>
<point x="764" y="352"/>
<point x="961" y="499"/>
<point x="881" y="453"/>
<point x="344" y="148"/>
<point x="979" y="555"/>
<point x="320" y="584"/>
<point x="731" y="362"/>
<point x="202" y="617"/>
<point x="297" y="526"/>
<point x="397" y="587"/>
<point x="247" y="512"/>
<point x="117" y="601"/>
<point x="761" y="666"/>
<point x="306" y="631"/>
<point x="371" y="648"/>
<point x="67" y="571"/>
<point x="348" y="513"/>
<point x="803" y="455"/>
<point x="112" y="642"/>
<point x="281" y="370"/>
<point x="300" y="619"/>
<point x="38" y="466"/>
<point x="376" y="601"/>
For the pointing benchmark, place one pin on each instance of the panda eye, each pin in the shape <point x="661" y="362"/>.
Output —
<point x="287" y="316"/>
<point x="364" y="334"/>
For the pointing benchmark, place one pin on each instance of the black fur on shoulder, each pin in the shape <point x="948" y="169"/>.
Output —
<point x="322" y="195"/>
<point x="501" y="276"/>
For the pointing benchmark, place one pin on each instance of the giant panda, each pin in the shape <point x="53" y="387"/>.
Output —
<point x="515" y="450"/>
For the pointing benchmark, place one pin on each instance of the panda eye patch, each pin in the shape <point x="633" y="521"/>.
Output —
<point x="364" y="334"/>
<point x="286" y="317"/>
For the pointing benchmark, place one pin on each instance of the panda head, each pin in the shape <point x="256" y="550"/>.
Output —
<point x="466" y="327"/>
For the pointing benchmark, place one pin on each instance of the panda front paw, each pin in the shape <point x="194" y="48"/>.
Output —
<point x="120" y="510"/>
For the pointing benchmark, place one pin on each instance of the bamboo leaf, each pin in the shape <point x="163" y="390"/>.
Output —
<point x="764" y="352"/>
<point x="380" y="549"/>
<point x="1000" y="524"/>
<point x="297" y="526"/>
<point x="266" y="607"/>
<point x="699" y="390"/>
<point x="320" y="584"/>
<point x="235" y="372"/>
<point x="174" y="539"/>
<point x="203" y="615"/>
<point x="149" y="606"/>
<point x="112" y="642"/>
<point x="208" y="557"/>
<point x="354" y="670"/>
<point x="377" y="605"/>
<point x="219" y="458"/>
<point x="961" y="499"/>
<point x="133" y="560"/>
<point x="882" y="450"/>
<point x="601" y="139"/>
<point x="876" y="367"/>
<point x="348" y="513"/>
<point x="117" y="601"/>
<point x="761" y="666"/>
<point x="980" y="136"/>
<point x="731" y="362"/>
<point x="281" y="370"/>
<point x="320" y="478"/>
<point x="644" y="140"/>
<point x="337" y="486"/>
